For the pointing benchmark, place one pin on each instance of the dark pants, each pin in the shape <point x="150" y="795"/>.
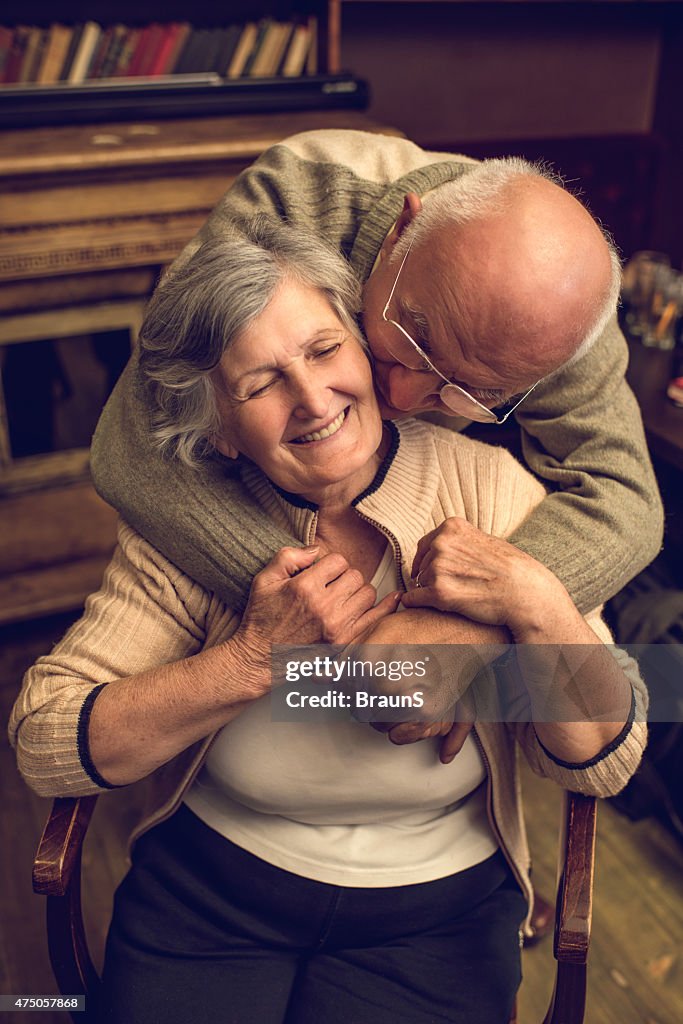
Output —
<point x="205" y="932"/>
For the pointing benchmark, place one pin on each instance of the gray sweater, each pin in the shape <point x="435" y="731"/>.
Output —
<point x="581" y="432"/>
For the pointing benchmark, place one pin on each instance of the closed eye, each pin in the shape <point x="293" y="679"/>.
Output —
<point x="425" y="368"/>
<point x="258" y="391"/>
<point x="327" y="352"/>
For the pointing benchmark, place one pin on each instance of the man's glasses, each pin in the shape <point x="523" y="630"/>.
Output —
<point x="408" y="353"/>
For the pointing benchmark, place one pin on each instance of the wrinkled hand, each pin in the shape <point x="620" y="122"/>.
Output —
<point x="457" y="651"/>
<point x="296" y="600"/>
<point x="455" y="728"/>
<point x="459" y="568"/>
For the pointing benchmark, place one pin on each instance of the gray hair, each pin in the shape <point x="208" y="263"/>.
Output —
<point x="483" y="191"/>
<point x="198" y="309"/>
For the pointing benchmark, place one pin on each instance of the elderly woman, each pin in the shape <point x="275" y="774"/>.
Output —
<point x="289" y="872"/>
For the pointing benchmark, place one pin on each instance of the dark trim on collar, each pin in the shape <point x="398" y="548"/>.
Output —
<point x="300" y="502"/>
<point x="297" y="500"/>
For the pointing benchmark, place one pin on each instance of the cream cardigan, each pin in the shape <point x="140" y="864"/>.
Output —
<point x="149" y="613"/>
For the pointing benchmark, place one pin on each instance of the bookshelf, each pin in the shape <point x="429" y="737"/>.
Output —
<point x="202" y="15"/>
<point x="75" y="61"/>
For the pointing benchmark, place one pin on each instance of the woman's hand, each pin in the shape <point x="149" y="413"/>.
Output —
<point x="297" y="600"/>
<point x="459" y="568"/>
<point x="142" y="721"/>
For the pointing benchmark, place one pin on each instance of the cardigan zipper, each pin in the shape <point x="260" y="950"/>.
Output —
<point x="392" y="540"/>
<point x="311" y="531"/>
<point x="491" y="813"/>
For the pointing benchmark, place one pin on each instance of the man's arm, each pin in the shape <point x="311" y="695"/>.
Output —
<point x="582" y="433"/>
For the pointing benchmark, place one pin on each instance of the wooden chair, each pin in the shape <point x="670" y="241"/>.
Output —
<point x="57" y="875"/>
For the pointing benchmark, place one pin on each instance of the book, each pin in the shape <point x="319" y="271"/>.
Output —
<point x="312" y="58"/>
<point x="32" y="54"/>
<point x="269" y="55"/>
<point x="162" y="58"/>
<point x="153" y="43"/>
<point x="55" y="54"/>
<point x="280" y="46"/>
<point x="113" y="53"/>
<point x="286" y="42"/>
<point x="294" y="60"/>
<point x="100" y="52"/>
<point x="210" y="45"/>
<point x="243" y="50"/>
<point x="178" y="46"/>
<point x="16" y="54"/>
<point x="139" y="53"/>
<point x="71" y="52"/>
<point x="200" y="53"/>
<point x="128" y="48"/>
<point x="39" y="55"/>
<point x="86" y="47"/>
<point x="231" y="37"/>
<point x="188" y="55"/>
<point x="261" y="32"/>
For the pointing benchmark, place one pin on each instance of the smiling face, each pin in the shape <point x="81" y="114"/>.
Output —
<point x="295" y="396"/>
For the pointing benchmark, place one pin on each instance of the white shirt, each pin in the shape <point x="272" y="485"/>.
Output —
<point x="336" y="801"/>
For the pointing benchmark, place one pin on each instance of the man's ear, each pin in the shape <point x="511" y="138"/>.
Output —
<point x="219" y="440"/>
<point x="225" y="448"/>
<point x="412" y="204"/>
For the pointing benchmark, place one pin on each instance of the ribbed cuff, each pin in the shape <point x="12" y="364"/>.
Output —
<point x="605" y="752"/>
<point x="83" y="740"/>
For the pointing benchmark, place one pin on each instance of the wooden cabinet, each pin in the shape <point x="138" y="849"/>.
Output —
<point x="89" y="215"/>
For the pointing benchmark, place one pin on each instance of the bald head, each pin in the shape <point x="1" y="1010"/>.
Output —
<point x="525" y="277"/>
<point x="500" y="278"/>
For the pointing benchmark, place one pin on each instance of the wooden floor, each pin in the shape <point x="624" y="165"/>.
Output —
<point x="636" y="964"/>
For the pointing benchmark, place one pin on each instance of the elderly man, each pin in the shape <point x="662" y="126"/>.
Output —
<point x="483" y="293"/>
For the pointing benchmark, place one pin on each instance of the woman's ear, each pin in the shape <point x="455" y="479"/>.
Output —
<point x="225" y="448"/>
<point x="412" y="204"/>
